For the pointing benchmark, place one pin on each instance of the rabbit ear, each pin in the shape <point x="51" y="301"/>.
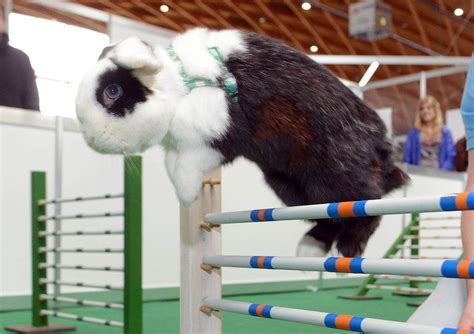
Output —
<point x="134" y="54"/>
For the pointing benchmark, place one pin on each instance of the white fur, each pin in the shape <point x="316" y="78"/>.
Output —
<point x="310" y="247"/>
<point x="185" y="123"/>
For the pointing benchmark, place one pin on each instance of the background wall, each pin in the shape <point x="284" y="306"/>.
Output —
<point x="24" y="147"/>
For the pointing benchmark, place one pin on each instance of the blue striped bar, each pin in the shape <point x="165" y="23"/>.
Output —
<point x="333" y="210"/>
<point x="356" y="265"/>
<point x="449" y="268"/>
<point x="448" y="203"/>
<point x="455" y="331"/>
<point x="330" y="264"/>
<point x="265" y="263"/>
<point x="359" y="208"/>
<point x="260" y="310"/>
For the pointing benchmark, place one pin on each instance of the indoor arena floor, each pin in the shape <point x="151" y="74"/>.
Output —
<point x="163" y="317"/>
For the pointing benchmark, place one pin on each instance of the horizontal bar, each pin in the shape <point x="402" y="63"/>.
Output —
<point x="404" y="79"/>
<point x="418" y="257"/>
<point x="330" y="320"/>
<point x="390" y="60"/>
<point x="440" y="218"/>
<point x="429" y="237"/>
<point x="78" y="267"/>
<point x="407" y="278"/>
<point x="397" y="288"/>
<point x="82" y="302"/>
<point x="105" y="232"/>
<point x="98" y="321"/>
<point x="79" y="250"/>
<point x="444" y="227"/>
<point x="427" y="247"/>
<point x="78" y="199"/>
<point x="80" y="284"/>
<point x="378" y="207"/>
<point x="80" y="216"/>
<point x="433" y="268"/>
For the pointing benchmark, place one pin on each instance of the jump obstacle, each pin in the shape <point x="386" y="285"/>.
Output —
<point x="201" y="262"/>
<point x="132" y="257"/>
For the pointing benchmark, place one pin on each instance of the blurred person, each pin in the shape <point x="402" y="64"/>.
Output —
<point x="467" y="218"/>
<point x="430" y="143"/>
<point x="17" y="78"/>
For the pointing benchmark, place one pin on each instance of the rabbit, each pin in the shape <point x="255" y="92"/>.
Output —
<point x="312" y="138"/>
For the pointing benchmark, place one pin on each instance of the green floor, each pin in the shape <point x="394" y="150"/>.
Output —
<point x="163" y="317"/>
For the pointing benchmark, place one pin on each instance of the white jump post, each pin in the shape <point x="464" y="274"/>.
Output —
<point x="199" y="240"/>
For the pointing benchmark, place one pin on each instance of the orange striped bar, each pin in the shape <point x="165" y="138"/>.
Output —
<point x="344" y="264"/>
<point x="458" y="269"/>
<point x="344" y="321"/>
<point x="260" y="310"/>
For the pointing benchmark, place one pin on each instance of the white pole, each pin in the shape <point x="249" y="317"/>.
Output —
<point x="58" y="177"/>
<point x="432" y="268"/>
<point x="330" y="320"/>
<point x="422" y="85"/>
<point x="7" y="8"/>
<point x="196" y="243"/>
<point x="378" y="207"/>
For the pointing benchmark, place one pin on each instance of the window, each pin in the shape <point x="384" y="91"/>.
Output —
<point x="60" y="55"/>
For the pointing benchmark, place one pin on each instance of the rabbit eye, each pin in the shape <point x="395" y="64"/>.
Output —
<point x="113" y="92"/>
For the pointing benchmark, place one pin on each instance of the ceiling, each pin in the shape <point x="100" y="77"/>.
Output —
<point x="420" y="27"/>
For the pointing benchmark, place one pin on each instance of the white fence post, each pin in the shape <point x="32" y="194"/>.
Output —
<point x="197" y="241"/>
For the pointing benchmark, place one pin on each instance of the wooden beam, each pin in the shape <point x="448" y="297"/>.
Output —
<point x="448" y="26"/>
<point x="461" y="29"/>
<point x="315" y="35"/>
<point x="418" y="23"/>
<point x="184" y="13"/>
<point x="280" y="25"/>
<point x="244" y="16"/>
<point x="214" y="14"/>
<point x="158" y="14"/>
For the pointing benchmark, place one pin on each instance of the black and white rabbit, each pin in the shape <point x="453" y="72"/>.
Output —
<point x="313" y="139"/>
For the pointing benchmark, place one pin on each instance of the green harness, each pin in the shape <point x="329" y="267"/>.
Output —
<point x="227" y="81"/>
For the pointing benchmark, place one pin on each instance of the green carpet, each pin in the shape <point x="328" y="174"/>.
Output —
<point x="163" y="317"/>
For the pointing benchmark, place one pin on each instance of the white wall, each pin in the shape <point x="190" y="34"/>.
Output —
<point x="26" y="148"/>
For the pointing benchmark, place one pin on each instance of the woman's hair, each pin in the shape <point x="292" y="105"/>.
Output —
<point x="438" y="121"/>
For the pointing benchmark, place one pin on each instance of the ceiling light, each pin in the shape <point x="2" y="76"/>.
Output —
<point x="369" y="73"/>
<point x="164" y="8"/>
<point x="314" y="48"/>
<point x="306" y="5"/>
<point x="262" y="20"/>
<point x="458" y="11"/>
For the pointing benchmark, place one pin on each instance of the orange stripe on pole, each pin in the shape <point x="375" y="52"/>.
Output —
<point x="461" y="201"/>
<point x="346" y="209"/>
<point x="260" y="261"/>
<point x="260" y="309"/>
<point x="463" y="268"/>
<point x="261" y="215"/>
<point x="464" y="331"/>
<point x="343" y="321"/>
<point x="344" y="264"/>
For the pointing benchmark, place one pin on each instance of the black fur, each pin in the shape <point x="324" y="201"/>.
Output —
<point x="133" y="91"/>
<point x="314" y="140"/>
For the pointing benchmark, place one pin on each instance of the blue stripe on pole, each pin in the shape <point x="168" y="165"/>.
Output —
<point x="253" y="309"/>
<point x="268" y="215"/>
<point x="359" y="208"/>
<point x="449" y="331"/>
<point x="449" y="268"/>
<point x="470" y="200"/>
<point x="356" y="265"/>
<point x="330" y="320"/>
<point x="266" y="311"/>
<point x="332" y="210"/>
<point x="254" y="215"/>
<point x="267" y="262"/>
<point x="330" y="264"/>
<point x="471" y="269"/>
<point x="356" y="324"/>
<point x="254" y="261"/>
<point x="448" y="203"/>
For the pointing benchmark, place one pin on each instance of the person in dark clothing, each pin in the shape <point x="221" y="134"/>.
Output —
<point x="17" y="77"/>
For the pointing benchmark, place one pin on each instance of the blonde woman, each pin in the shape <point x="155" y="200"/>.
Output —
<point x="430" y="143"/>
